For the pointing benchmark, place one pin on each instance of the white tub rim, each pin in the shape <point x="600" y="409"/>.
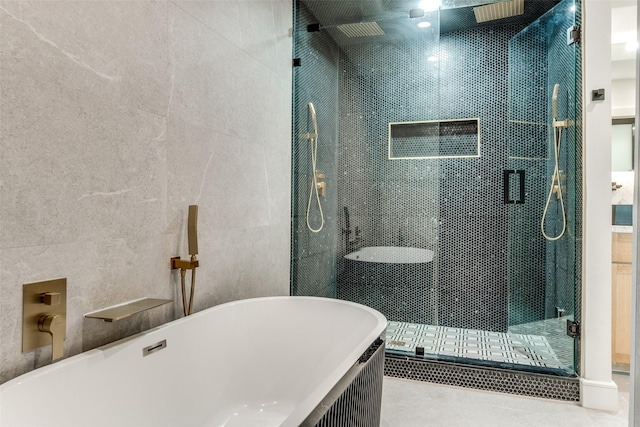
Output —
<point x="391" y="255"/>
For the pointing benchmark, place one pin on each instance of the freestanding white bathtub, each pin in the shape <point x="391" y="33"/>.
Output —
<point x="259" y="362"/>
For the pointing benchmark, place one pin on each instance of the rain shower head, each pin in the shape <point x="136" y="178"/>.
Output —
<point x="500" y="10"/>
<point x="354" y="22"/>
<point x="361" y="29"/>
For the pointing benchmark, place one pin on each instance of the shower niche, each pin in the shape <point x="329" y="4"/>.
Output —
<point x="419" y="123"/>
<point x="433" y="139"/>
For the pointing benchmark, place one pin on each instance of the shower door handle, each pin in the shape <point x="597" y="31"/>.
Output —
<point x="506" y="186"/>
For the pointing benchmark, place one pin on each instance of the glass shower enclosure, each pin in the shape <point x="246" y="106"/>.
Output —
<point x="427" y="165"/>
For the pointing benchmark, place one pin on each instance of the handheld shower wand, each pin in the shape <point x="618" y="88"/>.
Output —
<point x="192" y="233"/>
<point x="315" y="185"/>
<point x="314" y="119"/>
<point x="556" y="183"/>
<point x="554" y="101"/>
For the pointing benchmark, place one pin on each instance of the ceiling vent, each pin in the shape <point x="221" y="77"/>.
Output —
<point x="361" y="29"/>
<point x="499" y="10"/>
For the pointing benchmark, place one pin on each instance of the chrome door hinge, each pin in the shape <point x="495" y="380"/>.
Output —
<point x="573" y="328"/>
<point x="574" y="34"/>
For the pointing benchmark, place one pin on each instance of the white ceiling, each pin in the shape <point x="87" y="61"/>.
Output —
<point x="623" y="30"/>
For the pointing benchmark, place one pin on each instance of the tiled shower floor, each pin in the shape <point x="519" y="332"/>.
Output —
<point x="511" y="348"/>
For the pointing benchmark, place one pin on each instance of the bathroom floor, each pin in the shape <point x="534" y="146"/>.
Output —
<point x="410" y="403"/>
<point x="513" y="348"/>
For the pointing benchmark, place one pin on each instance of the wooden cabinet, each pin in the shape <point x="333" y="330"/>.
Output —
<point x="621" y="248"/>
<point x="621" y="298"/>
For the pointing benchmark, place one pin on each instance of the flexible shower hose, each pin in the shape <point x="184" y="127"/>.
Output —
<point x="314" y="188"/>
<point x="313" y="139"/>
<point x="188" y="309"/>
<point x="555" y="180"/>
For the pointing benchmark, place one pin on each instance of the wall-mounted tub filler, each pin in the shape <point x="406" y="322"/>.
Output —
<point x="177" y="263"/>
<point x="317" y="188"/>
<point x="44" y="316"/>
<point x="127" y="309"/>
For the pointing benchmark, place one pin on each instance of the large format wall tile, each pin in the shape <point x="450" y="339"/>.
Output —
<point x="117" y="115"/>
<point x="278" y="180"/>
<point x="258" y="30"/>
<point x="206" y="88"/>
<point x="74" y="167"/>
<point x="222" y="174"/>
<point x="114" y="49"/>
<point x="221" y="16"/>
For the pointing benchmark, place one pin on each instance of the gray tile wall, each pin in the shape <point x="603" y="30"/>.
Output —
<point x="115" y="116"/>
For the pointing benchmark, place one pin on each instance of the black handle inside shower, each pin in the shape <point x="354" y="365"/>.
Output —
<point x="346" y="219"/>
<point x="506" y="186"/>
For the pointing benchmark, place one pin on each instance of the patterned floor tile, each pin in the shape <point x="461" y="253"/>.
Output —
<point x="521" y="348"/>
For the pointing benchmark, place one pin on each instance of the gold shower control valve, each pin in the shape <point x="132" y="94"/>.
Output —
<point x="322" y="189"/>
<point x="44" y="316"/>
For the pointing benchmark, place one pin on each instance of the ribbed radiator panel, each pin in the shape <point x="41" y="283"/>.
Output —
<point x="356" y="400"/>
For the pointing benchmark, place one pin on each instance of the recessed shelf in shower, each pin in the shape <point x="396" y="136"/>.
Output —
<point x="434" y="139"/>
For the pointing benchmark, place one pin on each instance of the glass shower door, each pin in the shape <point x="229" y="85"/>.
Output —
<point x="544" y="258"/>
<point x="426" y="125"/>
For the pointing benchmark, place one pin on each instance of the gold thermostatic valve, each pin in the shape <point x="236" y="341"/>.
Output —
<point x="44" y="315"/>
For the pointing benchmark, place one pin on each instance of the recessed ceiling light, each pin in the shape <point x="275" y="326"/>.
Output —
<point x="432" y="58"/>
<point x="429" y="5"/>
<point x="424" y="24"/>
